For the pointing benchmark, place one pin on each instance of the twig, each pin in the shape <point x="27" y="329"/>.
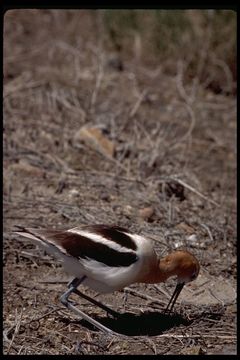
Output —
<point x="208" y="230"/>
<point x="20" y="350"/>
<point x="43" y="316"/>
<point x="69" y="48"/>
<point x="138" y="103"/>
<point x="109" y="158"/>
<point x="170" y="212"/>
<point x="97" y="85"/>
<point x="151" y="237"/>
<point x="104" y="173"/>
<point x="16" y="330"/>
<point x="68" y="105"/>
<point x="144" y="296"/>
<point x="226" y="337"/>
<point x="227" y="71"/>
<point x="180" y="87"/>
<point x="145" y="133"/>
<point x="27" y="254"/>
<point x="152" y="346"/>
<point x="53" y="282"/>
<point x="191" y="127"/>
<point x="194" y="190"/>
<point x="200" y="66"/>
<point x="22" y="86"/>
<point x="215" y="106"/>
<point x="215" y="297"/>
<point x="157" y="287"/>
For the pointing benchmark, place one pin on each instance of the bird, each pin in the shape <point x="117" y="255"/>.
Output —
<point x="107" y="258"/>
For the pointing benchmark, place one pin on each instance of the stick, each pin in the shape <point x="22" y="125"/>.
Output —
<point x="53" y="282"/>
<point x="137" y="104"/>
<point x="43" y="316"/>
<point x="195" y="191"/>
<point x="16" y="330"/>
<point x="226" y="337"/>
<point x="97" y="85"/>
<point x="208" y="230"/>
<point x="134" y="292"/>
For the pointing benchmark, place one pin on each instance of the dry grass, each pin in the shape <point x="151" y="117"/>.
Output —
<point x="175" y="151"/>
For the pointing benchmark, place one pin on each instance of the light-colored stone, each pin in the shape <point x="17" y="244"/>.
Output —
<point x="24" y="167"/>
<point x="94" y="137"/>
<point x="146" y="213"/>
<point x="194" y="350"/>
<point x="193" y="238"/>
<point x="185" y="227"/>
<point x="129" y="211"/>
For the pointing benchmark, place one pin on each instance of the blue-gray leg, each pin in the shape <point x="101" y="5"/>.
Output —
<point x="73" y="289"/>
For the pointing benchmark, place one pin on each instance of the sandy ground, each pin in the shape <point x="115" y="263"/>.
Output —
<point x="159" y="164"/>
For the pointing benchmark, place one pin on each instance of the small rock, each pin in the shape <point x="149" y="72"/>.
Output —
<point x="178" y="244"/>
<point x="194" y="350"/>
<point x="146" y="213"/>
<point x="94" y="137"/>
<point x="62" y="184"/>
<point x="114" y="62"/>
<point x="128" y="211"/>
<point x="185" y="227"/>
<point x="24" y="167"/>
<point x="192" y="238"/>
<point x="105" y="197"/>
<point x="73" y="193"/>
<point x="174" y="188"/>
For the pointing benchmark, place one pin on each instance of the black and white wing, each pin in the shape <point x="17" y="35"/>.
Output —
<point x="103" y="253"/>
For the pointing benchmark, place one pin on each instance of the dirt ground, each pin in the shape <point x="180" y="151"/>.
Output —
<point x="162" y="163"/>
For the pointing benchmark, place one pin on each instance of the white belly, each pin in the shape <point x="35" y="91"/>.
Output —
<point x="99" y="286"/>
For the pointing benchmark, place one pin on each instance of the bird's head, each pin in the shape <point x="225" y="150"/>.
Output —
<point x="185" y="266"/>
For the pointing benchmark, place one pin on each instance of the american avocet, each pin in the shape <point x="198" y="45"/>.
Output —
<point x="108" y="258"/>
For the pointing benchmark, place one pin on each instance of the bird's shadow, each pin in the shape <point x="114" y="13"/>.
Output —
<point x="147" y="323"/>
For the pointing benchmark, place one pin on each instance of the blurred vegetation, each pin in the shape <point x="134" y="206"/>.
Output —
<point x="162" y="37"/>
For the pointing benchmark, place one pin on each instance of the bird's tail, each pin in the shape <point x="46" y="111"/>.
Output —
<point x="28" y="233"/>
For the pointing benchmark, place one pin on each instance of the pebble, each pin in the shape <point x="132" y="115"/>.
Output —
<point x="95" y="138"/>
